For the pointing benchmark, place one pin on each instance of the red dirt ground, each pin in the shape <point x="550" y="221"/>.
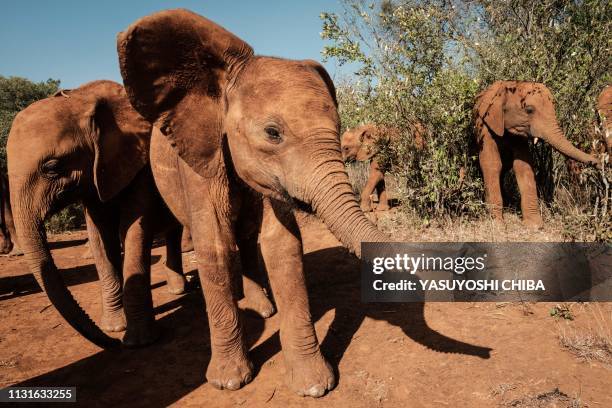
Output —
<point x="392" y="355"/>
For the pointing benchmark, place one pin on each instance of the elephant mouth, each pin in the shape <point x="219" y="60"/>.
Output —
<point x="522" y="131"/>
<point x="295" y="203"/>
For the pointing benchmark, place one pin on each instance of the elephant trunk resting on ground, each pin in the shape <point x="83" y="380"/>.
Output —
<point x="243" y="127"/>
<point x="506" y="114"/>
<point x="362" y="143"/>
<point x="8" y="244"/>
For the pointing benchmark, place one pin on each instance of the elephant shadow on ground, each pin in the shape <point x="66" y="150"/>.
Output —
<point x="22" y="285"/>
<point x="154" y="376"/>
<point x="333" y="279"/>
<point x="165" y="372"/>
<point x="66" y="244"/>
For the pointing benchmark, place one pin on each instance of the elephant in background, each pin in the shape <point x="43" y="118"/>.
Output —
<point x="507" y="114"/>
<point x="243" y="127"/>
<point x="7" y="226"/>
<point x="604" y="109"/>
<point x="363" y="143"/>
<point x="90" y="145"/>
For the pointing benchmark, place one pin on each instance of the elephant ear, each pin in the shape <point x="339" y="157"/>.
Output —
<point x="312" y="64"/>
<point x="490" y="107"/>
<point x="121" y="145"/>
<point x="367" y="139"/>
<point x="175" y="66"/>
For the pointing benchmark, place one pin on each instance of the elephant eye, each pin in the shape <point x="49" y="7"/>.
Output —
<point x="51" y="168"/>
<point x="529" y="109"/>
<point x="273" y="134"/>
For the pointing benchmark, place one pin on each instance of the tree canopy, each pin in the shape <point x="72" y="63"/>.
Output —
<point x="16" y="94"/>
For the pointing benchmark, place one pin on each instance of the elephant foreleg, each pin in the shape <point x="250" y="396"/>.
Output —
<point x="308" y="373"/>
<point x="136" y="229"/>
<point x="525" y="178"/>
<point x="491" y="166"/>
<point x="216" y="251"/>
<point x="105" y="247"/>
<point x="174" y="262"/>
<point x="374" y="178"/>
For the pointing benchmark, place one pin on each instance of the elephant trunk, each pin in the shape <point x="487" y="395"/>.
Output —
<point x="331" y="197"/>
<point x="32" y="238"/>
<point x="557" y="139"/>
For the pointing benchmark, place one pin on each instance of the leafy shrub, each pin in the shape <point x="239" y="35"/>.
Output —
<point x="69" y="218"/>
<point x="425" y="61"/>
<point x="16" y="94"/>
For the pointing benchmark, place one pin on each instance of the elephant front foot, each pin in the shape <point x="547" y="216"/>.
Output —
<point x="383" y="206"/>
<point x="229" y="373"/>
<point x="366" y="206"/>
<point x="176" y="282"/>
<point x="141" y="334"/>
<point x="310" y="376"/>
<point x="113" y="321"/>
<point x="16" y="251"/>
<point x="533" y="223"/>
<point x="257" y="301"/>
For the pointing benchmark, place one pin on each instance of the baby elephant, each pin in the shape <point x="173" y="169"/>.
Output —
<point x="363" y="143"/>
<point x="89" y="145"/>
<point x="506" y="114"/>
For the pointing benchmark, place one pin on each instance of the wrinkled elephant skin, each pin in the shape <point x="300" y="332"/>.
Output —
<point x="243" y="126"/>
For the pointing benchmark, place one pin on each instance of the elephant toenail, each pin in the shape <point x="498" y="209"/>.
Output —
<point x="232" y="385"/>
<point x="316" y="391"/>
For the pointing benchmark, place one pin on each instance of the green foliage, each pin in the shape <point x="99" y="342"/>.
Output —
<point x="562" y="311"/>
<point x="69" y="218"/>
<point x="16" y="94"/>
<point x="425" y="60"/>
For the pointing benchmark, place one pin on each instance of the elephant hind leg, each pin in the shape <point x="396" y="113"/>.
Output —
<point x="254" y="297"/>
<point x="174" y="262"/>
<point x="383" y="197"/>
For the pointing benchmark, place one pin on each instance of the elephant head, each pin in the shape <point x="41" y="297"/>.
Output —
<point x="272" y="121"/>
<point x="524" y="109"/>
<point x="360" y="143"/>
<point x="82" y="145"/>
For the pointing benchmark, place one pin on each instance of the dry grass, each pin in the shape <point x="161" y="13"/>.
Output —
<point x="550" y="399"/>
<point x="591" y="343"/>
<point x="408" y="227"/>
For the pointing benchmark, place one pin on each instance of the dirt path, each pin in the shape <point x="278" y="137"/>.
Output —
<point x="392" y="355"/>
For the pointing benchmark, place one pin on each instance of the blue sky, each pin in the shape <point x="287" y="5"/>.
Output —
<point x="74" y="41"/>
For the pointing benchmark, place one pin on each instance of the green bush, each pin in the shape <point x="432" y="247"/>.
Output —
<point x="16" y="94"/>
<point x="425" y="60"/>
<point x="69" y="218"/>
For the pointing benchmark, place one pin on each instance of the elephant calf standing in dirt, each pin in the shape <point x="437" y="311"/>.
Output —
<point x="506" y="114"/>
<point x="7" y="226"/>
<point x="90" y="145"/>
<point x="234" y="127"/>
<point x="362" y="143"/>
